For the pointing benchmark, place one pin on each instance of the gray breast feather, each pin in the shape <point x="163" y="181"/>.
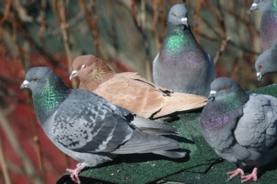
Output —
<point x="257" y="128"/>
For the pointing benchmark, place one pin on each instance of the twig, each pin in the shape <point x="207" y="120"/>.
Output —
<point x="27" y="164"/>
<point x="40" y="155"/>
<point x="42" y="20"/>
<point x="222" y="48"/>
<point x="74" y="21"/>
<point x="7" y="11"/>
<point x="21" y="11"/>
<point x="4" y="166"/>
<point x="19" y="25"/>
<point x="92" y="24"/>
<point x="148" y="65"/>
<point x="61" y="14"/>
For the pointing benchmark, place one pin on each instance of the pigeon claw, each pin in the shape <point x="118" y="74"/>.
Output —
<point x="234" y="173"/>
<point x="74" y="173"/>
<point x="250" y="177"/>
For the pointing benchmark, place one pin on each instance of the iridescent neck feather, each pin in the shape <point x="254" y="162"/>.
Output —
<point x="49" y="98"/>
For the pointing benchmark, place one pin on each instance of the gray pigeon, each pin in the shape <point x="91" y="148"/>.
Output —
<point x="182" y="65"/>
<point x="88" y="128"/>
<point x="266" y="62"/>
<point x="268" y="24"/>
<point x="241" y="128"/>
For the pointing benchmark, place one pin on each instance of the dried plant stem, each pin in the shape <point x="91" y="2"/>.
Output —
<point x="92" y="24"/>
<point x="40" y="155"/>
<point x="197" y="16"/>
<point x="3" y="164"/>
<point x="221" y="50"/>
<point x="28" y="167"/>
<point x="7" y="11"/>
<point x="42" y="20"/>
<point x="61" y="14"/>
<point x="148" y="65"/>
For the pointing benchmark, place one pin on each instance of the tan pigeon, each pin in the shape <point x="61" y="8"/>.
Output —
<point x="131" y="91"/>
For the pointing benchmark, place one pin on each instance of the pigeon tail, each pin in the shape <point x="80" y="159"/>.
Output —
<point x="153" y="127"/>
<point x="171" y="154"/>
<point x="141" y="142"/>
<point x="178" y="102"/>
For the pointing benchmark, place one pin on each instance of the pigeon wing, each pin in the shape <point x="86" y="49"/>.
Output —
<point x="257" y="128"/>
<point x="87" y="123"/>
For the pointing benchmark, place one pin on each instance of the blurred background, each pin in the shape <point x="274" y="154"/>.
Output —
<point x="126" y="33"/>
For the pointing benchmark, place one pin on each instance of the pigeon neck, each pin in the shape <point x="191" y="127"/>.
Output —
<point x="178" y="38"/>
<point x="269" y="6"/>
<point x="233" y="100"/>
<point x="49" y="98"/>
<point x="274" y="5"/>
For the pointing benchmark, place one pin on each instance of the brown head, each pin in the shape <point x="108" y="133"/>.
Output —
<point x="89" y="67"/>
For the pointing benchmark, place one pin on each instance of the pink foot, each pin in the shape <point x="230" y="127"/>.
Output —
<point x="249" y="177"/>
<point x="235" y="172"/>
<point x="74" y="173"/>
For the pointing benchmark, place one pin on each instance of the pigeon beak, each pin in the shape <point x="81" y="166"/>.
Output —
<point x="259" y="76"/>
<point x="25" y="84"/>
<point x="73" y="74"/>
<point x="211" y="96"/>
<point x="184" y="21"/>
<point x="253" y="7"/>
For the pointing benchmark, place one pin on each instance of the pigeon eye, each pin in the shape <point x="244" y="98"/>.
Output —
<point x="35" y="79"/>
<point x="174" y="14"/>
<point x="260" y="66"/>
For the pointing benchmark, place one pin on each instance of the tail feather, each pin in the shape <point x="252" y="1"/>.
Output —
<point x="171" y="154"/>
<point x="153" y="127"/>
<point x="141" y="142"/>
<point x="178" y="102"/>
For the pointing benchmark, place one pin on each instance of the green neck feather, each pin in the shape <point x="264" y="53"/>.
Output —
<point x="274" y="4"/>
<point x="49" y="98"/>
<point x="234" y="100"/>
<point x="177" y="39"/>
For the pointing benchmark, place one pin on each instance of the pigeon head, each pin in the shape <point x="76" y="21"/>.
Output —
<point x="178" y="15"/>
<point x="82" y="65"/>
<point x="88" y="65"/>
<point x="36" y="78"/>
<point x="48" y="90"/>
<point x="260" y="4"/>
<point x="222" y="86"/>
<point x="265" y="63"/>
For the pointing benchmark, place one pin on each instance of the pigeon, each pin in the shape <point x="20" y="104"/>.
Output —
<point x="130" y="91"/>
<point x="240" y="127"/>
<point x="266" y="62"/>
<point x="182" y="65"/>
<point x="89" y="129"/>
<point x="268" y="24"/>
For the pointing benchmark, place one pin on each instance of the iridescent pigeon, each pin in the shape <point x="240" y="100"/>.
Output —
<point x="266" y="62"/>
<point x="88" y="128"/>
<point x="182" y="65"/>
<point x="241" y="128"/>
<point x="268" y="24"/>
<point x="131" y="91"/>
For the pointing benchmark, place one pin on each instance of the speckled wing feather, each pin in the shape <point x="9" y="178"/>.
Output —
<point x="86" y="123"/>
<point x="257" y="128"/>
